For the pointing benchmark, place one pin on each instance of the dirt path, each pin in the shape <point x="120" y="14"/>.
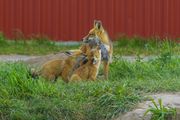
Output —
<point x="26" y="57"/>
<point x="138" y="113"/>
<point x="16" y="57"/>
<point x="33" y="61"/>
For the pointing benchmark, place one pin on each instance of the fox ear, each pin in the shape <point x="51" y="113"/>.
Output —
<point x="95" y="21"/>
<point x="97" y="24"/>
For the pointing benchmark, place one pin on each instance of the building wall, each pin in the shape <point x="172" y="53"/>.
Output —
<point x="72" y="19"/>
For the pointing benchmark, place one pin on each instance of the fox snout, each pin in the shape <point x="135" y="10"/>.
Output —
<point x="94" y="61"/>
<point x="85" y="39"/>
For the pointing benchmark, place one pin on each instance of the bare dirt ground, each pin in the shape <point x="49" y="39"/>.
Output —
<point x="33" y="61"/>
<point x="15" y="57"/>
<point x="59" y="55"/>
<point x="168" y="99"/>
<point x="28" y="59"/>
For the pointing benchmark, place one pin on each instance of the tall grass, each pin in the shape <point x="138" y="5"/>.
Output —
<point x="22" y="97"/>
<point x="145" y="46"/>
<point x="25" y="98"/>
<point x="158" y="75"/>
<point x="32" y="46"/>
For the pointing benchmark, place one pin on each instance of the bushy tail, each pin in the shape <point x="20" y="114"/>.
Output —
<point x="34" y="73"/>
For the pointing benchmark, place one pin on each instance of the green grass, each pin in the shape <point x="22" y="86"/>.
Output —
<point x="33" y="46"/>
<point x="145" y="46"/>
<point x="22" y="97"/>
<point x="122" y="46"/>
<point x="25" y="98"/>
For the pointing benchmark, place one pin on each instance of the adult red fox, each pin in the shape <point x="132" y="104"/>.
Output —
<point x="98" y="31"/>
<point x="89" y="70"/>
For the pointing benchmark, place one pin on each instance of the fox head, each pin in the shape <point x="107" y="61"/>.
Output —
<point x="92" y="41"/>
<point x="96" y="31"/>
<point x="94" y="55"/>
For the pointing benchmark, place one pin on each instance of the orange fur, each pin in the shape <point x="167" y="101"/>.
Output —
<point x="51" y="70"/>
<point x="89" y="70"/>
<point x="68" y="67"/>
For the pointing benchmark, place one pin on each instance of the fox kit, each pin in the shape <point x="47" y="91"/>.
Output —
<point x="98" y="31"/>
<point x="89" y="70"/>
<point x="52" y="69"/>
<point x="71" y="64"/>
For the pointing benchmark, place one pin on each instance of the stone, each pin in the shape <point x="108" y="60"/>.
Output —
<point x="172" y="100"/>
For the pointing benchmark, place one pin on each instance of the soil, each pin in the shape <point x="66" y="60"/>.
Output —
<point x="15" y="57"/>
<point x="33" y="61"/>
<point x="59" y="55"/>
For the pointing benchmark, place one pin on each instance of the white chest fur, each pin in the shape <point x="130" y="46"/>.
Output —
<point x="98" y="64"/>
<point x="107" y="47"/>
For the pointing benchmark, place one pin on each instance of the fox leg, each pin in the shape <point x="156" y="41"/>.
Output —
<point x="64" y="75"/>
<point x="50" y="77"/>
<point x="106" y="69"/>
<point x="75" y="78"/>
<point x="64" y="78"/>
<point x="92" y="78"/>
<point x="110" y="52"/>
<point x="93" y="75"/>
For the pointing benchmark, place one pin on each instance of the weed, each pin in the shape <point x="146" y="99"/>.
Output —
<point x="160" y="112"/>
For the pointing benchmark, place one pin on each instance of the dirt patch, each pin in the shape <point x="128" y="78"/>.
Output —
<point x="16" y="57"/>
<point x="33" y="61"/>
<point x="172" y="100"/>
<point x="38" y="61"/>
<point x="60" y="55"/>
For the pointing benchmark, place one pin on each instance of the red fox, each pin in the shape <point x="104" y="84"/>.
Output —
<point x="98" y="31"/>
<point x="71" y="64"/>
<point x="64" y="68"/>
<point x="52" y="69"/>
<point x="89" y="70"/>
